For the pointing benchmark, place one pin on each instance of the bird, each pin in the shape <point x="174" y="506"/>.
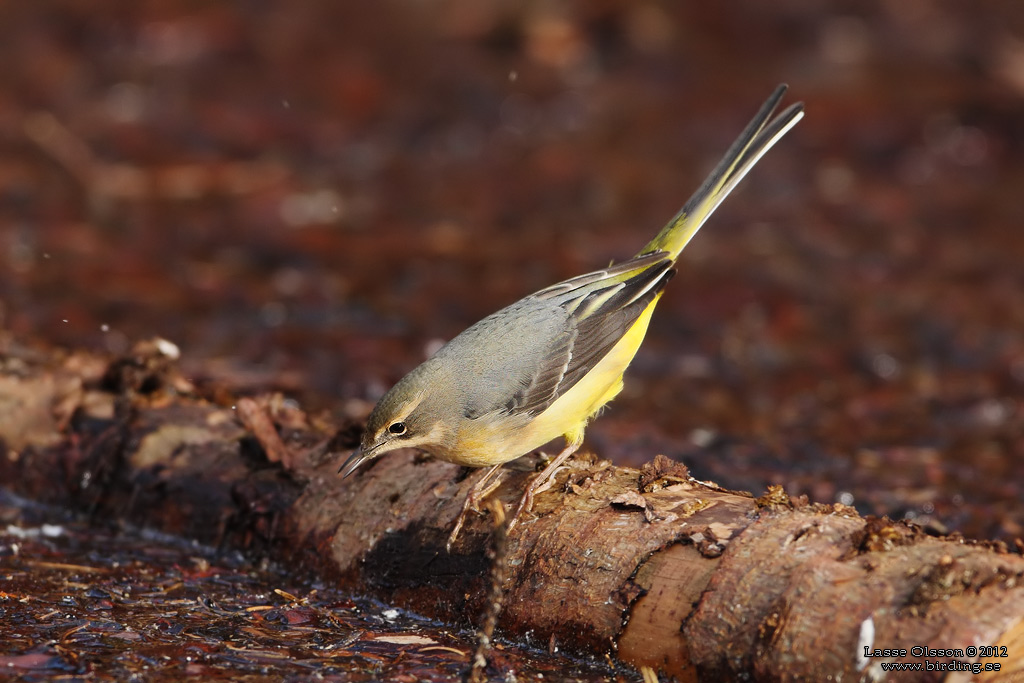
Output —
<point x="544" y="367"/>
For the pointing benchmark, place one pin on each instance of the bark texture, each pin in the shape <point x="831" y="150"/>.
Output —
<point x="650" y="565"/>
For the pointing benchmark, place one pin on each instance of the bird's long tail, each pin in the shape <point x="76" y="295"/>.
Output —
<point x="753" y="142"/>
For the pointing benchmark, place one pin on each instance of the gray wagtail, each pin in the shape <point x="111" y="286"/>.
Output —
<point x="543" y="367"/>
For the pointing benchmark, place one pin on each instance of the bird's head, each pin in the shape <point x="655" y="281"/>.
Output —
<point x="410" y="415"/>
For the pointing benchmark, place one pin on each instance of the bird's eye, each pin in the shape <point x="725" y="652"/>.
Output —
<point x="397" y="428"/>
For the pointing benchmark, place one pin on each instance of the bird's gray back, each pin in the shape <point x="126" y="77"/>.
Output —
<point x="501" y="359"/>
<point x="519" y="360"/>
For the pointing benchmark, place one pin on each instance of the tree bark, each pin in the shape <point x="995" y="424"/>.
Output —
<point x="652" y="566"/>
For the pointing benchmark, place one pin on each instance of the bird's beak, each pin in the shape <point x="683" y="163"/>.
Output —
<point x="358" y="457"/>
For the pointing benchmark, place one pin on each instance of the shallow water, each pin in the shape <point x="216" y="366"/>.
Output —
<point x="83" y="602"/>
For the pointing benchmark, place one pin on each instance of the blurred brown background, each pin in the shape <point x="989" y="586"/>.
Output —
<point x="312" y="194"/>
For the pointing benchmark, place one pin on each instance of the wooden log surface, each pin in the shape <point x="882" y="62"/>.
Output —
<point x="649" y="565"/>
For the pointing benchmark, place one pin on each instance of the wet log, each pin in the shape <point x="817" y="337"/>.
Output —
<point x="649" y="566"/>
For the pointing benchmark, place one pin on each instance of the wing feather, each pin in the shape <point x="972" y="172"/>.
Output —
<point x="601" y="307"/>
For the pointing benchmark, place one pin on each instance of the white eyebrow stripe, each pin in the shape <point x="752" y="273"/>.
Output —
<point x="409" y="407"/>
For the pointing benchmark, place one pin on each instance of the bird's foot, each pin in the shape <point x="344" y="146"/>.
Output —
<point x="477" y="493"/>
<point x="542" y="482"/>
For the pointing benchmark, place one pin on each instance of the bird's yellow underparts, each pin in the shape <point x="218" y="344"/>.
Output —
<point x="543" y="367"/>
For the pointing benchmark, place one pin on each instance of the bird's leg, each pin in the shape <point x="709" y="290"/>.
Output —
<point x="541" y="482"/>
<point x="477" y="492"/>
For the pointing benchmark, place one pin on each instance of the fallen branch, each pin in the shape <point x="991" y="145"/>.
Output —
<point x="662" y="570"/>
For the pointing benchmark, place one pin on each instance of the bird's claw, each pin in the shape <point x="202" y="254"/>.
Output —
<point x="476" y="494"/>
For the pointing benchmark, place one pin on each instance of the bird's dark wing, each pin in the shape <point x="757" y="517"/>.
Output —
<point x="600" y="307"/>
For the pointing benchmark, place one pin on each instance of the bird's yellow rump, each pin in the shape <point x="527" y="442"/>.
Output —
<point x="543" y="367"/>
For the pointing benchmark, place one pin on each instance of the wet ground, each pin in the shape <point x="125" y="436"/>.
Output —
<point x="85" y="603"/>
<point x="312" y="195"/>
